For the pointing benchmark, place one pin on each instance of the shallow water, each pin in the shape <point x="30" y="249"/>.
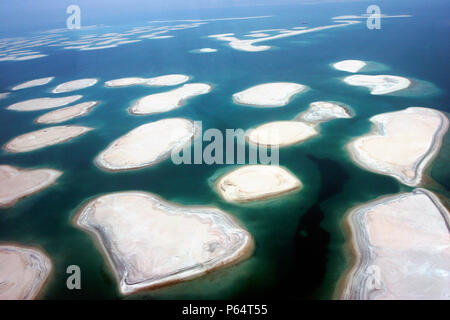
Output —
<point x="299" y="237"/>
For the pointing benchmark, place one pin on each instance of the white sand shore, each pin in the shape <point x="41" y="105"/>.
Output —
<point x="207" y="50"/>
<point x="16" y="183"/>
<point x="281" y="133"/>
<point x="379" y="84"/>
<point x="32" y="83"/>
<point x="249" y="44"/>
<point x="125" y="82"/>
<point x="67" y="113"/>
<point x="74" y="85"/>
<point x="44" y="137"/>
<point x="151" y="243"/>
<point x="43" y="103"/>
<point x="147" y="145"/>
<point x="168" y="80"/>
<point x="23" y="272"/>
<point x="401" y="143"/>
<point x="402" y="248"/>
<point x="273" y="94"/>
<point x="169" y="100"/>
<point x="321" y="111"/>
<point x="256" y="182"/>
<point x="349" y="65"/>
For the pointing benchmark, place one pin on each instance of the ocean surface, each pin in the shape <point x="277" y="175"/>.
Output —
<point x="300" y="252"/>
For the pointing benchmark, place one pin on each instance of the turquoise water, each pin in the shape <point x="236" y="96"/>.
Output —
<point x="299" y="237"/>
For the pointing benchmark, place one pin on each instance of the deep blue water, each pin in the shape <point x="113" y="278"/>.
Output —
<point x="299" y="237"/>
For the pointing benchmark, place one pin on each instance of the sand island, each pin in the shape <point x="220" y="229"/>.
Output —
<point x="44" y="137"/>
<point x="150" y="242"/>
<point x="379" y="84"/>
<point x="401" y="143"/>
<point x="43" y="103"/>
<point x="166" y="80"/>
<point x="402" y="249"/>
<point x="23" y="272"/>
<point x="169" y="100"/>
<point x="273" y="94"/>
<point x="32" y="83"/>
<point x="281" y="133"/>
<point x="124" y="82"/>
<point x="352" y="66"/>
<point x="256" y="182"/>
<point x="321" y="111"/>
<point x="74" y="85"/>
<point x="301" y="128"/>
<point x="17" y="183"/>
<point x="147" y="145"/>
<point x="67" y="113"/>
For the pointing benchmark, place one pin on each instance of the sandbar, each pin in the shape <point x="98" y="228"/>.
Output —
<point x="206" y="50"/>
<point x="321" y="111"/>
<point x="67" y="113"/>
<point x="147" y="144"/>
<point x="125" y="82"/>
<point x="17" y="183"/>
<point x="169" y="100"/>
<point x="352" y="66"/>
<point x="33" y="83"/>
<point x="379" y="84"/>
<point x="151" y="243"/>
<point x="44" y="137"/>
<point x="43" y="103"/>
<point x="273" y="94"/>
<point x="23" y="272"/>
<point x="74" y="85"/>
<point x="281" y="133"/>
<point x="402" y="249"/>
<point x="256" y="182"/>
<point x="401" y="143"/>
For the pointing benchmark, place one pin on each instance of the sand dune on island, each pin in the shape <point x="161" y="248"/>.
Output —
<point x="147" y="145"/>
<point x="169" y="100"/>
<point x="23" y="272"/>
<point x="402" y="248"/>
<point x="321" y="111"/>
<point x="43" y="103"/>
<point x="16" y="183"/>
<point x="152" y="243"/>
<point x="273" y="94"/>
<point x="67" y="113"/>
<point x="256" y="182"/>
<point x="44" y="137"/>
<point x="401" y="144"/>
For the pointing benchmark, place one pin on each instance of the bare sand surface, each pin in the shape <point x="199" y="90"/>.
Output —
<point x="125" y="82"/>
<point x="207" y="50"/>
<point x="147" y="145"/>
<point x="401" y="144"/>
<point x="379" y="84"/>
<point x="321" y="111"/>
<point x="44" y="137"/>
<point x="402" y="248"/>
<point x="151" y="243"/>
<point x="273" y="94"/>
<point x="43" y="103"/>
<point x="281" y="133"/>
<point x="17" y="183"/>
<point x="352" y="66"/>
<point x="256" y="182"/>
<point x="23" y="272"/>
<point x="32" y="83"/>
<point x="74" y="85"/>
<point x="167" y="80"/>
<point x="67" y="113"/>
<point x="169" y="100"/>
